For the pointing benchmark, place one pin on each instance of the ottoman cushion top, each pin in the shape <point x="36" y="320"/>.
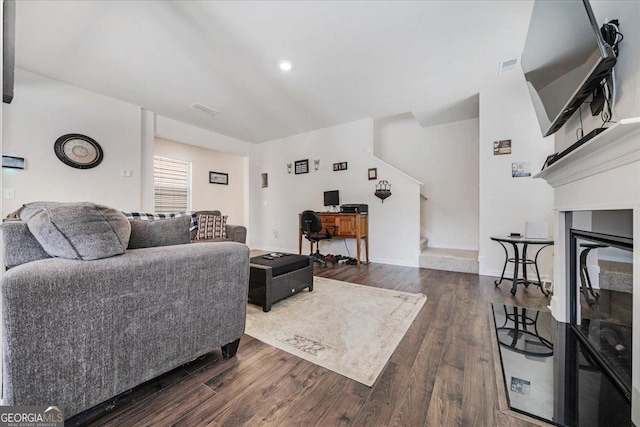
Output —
<point x="284" y="264"/>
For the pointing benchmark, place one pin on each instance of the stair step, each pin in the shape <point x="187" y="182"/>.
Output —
<point x="424" y="243"/>
<point x="460" y="260"/>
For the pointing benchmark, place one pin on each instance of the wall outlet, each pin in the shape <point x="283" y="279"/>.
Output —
<point x="126" y="173"/>
<point x="9" y="193"/>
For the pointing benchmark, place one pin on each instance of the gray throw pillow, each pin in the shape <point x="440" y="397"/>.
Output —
<point x="83" y="230"/>
<point x="159" y="232"/>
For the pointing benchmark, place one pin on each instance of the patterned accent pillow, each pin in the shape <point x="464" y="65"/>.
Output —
<point x="211" y="227"/>
<point x="153" y="216"/>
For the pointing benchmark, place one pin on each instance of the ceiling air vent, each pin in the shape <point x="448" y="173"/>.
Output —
<point x="507" y="65"/>
<point x="204" y="109"/>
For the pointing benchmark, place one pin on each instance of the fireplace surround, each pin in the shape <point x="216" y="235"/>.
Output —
<point x="603" y="174"/>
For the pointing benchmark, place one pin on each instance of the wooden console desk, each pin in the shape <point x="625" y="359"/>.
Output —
<point x="350" y="225"/>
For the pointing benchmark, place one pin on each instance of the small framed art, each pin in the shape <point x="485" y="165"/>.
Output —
<point x="218" y="178"/>
<point x="302" y="166"/>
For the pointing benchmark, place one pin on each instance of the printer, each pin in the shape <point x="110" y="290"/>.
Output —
<point x="354" y="208"/>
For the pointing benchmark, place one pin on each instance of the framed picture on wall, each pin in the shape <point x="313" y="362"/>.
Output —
<point x="502" y="147"/>
<point x="301" y="166"/>
<point x="218" y="178"/>
<point x="373" y="173"/>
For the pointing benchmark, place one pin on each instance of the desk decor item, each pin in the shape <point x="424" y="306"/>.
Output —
<point x="218" y="178"/>
<point x="383" y="190"/>
<point x="78" y="151"/>
<point x="302" y="166"/>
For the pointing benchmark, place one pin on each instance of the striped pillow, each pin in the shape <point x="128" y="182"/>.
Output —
<point x="211" y="227"/>
<point x="152" y="216"/>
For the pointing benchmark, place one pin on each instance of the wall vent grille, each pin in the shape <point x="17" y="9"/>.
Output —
<point x="204" y="109"/>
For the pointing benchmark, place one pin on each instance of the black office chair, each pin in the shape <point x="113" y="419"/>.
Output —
<point x="311" y="228"/>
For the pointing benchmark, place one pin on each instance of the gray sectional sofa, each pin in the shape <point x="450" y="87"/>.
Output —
<point x="77" y="333"/>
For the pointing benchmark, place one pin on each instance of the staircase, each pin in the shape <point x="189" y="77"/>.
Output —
<point x="461" y="260"/>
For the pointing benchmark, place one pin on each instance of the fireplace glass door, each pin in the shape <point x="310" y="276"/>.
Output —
<point x="601" y="300"/>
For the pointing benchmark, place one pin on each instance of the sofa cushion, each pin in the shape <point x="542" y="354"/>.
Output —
<point x="211" y="227"/>
<point x="19" y="244"/>
<point x="82" y="230"/>
<point x="162" y="232"/>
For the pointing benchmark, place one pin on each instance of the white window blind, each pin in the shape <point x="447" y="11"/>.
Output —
<point x="172" y="185"/>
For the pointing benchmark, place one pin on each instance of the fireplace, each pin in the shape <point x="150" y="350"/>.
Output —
<point x="602" y="175"/>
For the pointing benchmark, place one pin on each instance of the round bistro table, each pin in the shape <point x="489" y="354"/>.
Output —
<point x="520" y="259"/>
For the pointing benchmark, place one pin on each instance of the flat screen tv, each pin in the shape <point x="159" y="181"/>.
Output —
<point x="564" y="59"/>
<point x="332" y="198"/>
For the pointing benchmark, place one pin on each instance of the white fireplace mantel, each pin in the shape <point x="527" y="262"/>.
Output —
<point x="617" y="146"/>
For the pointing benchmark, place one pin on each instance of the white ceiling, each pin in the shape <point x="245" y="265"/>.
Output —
<point x="351" y="60"/>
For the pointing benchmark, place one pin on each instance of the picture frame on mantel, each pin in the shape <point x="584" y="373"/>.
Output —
<point x="218" y="178"/>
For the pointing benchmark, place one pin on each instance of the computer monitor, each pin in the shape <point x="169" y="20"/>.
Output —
<point x="332" y="198"/>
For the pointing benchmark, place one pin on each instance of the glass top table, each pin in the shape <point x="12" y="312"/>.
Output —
<point x="520" y="259"/>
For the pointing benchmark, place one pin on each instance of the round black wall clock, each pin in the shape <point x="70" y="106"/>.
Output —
<point x="78" y="151"/>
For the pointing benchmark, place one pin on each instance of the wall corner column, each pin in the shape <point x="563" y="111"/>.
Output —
<point x="148" y="126"/>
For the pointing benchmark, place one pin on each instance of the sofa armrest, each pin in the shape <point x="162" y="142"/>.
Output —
<point x="237" y="233"/>
<point x="80" y="332"/>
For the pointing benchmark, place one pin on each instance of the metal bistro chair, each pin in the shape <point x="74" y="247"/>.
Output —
<point x="311" y="228"/>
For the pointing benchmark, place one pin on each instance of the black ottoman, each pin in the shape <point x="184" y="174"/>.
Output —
<point x="276" y="279"/>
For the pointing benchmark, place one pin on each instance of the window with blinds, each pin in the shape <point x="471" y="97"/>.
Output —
<point x="172" y="185"/>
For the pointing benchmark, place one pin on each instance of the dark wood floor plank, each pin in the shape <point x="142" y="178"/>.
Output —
<point x="412" y="406"/>
<point x="170" y="412"/>
<point x="307" y="410"/>
<point x="342" y="412"/>
<point x="432" y="322"/>
<point x="184" y="396"/>
<point x="281" y="400"/>
<point x="371" y="413"/>
<point x="478" y="393"/>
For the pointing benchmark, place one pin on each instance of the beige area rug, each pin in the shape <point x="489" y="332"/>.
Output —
<point x="350" y="329"/>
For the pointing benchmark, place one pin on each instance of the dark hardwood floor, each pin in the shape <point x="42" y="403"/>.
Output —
<point x="442" y="374"/>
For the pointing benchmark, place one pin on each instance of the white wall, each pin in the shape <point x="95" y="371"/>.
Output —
<point x="445" y="159"/>
<point x="228" y="199"/>
<point x="43" y="110"/>
<point x="394" y="226"/>
<point x="506" y="203"/>
<point x="627" y="70"/>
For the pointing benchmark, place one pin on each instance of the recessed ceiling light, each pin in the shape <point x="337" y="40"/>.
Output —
<point x="285" y="65"/>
